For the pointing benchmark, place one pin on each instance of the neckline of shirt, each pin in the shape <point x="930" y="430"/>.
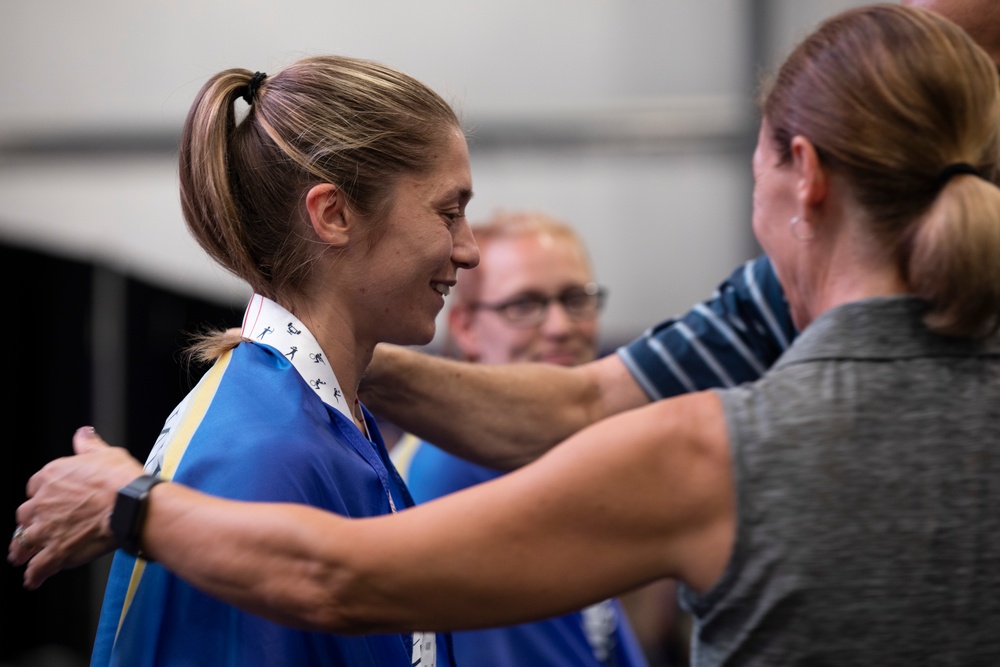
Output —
<point x="269" y="323"/>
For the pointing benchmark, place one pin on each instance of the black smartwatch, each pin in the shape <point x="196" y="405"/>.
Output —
<point x="130" y="513"/>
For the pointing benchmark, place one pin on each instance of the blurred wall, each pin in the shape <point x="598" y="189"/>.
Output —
<point x="632" y="119"/>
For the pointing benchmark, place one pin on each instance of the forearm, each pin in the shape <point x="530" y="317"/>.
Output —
<point x="547" y="539"/>
<point x="498" y="416"/>
<point x="310" y="569"/>
<point x="281" y="561"/>
<point x="540" y="541"/>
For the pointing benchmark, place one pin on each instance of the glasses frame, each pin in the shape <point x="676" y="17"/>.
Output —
<point x="503" y="308"/>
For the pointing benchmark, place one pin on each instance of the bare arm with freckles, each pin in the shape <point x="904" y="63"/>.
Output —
<point x="506" y="415"/>
<point x="471" y="559"/>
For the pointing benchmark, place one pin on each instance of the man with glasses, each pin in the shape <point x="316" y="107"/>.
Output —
<point x="532" y="298"/>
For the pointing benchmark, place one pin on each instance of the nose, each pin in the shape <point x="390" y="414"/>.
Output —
<point x="465" y="250"/>
<point x="557" y="321"/>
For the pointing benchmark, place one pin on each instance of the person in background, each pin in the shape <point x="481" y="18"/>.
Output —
<point x="731" y="338"/>
<point x="347" y="218"/>
<point x="532" y="298"/>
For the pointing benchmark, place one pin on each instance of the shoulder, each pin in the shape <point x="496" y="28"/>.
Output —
<point x="671" y="458"/>
<point x="687" y="446"/>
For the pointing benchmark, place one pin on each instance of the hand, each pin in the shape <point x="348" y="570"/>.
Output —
<point x="64" y="523"/>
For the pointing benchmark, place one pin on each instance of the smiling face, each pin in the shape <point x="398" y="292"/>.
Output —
<point x="422" y="243"/>
<point x="532" y="263"/>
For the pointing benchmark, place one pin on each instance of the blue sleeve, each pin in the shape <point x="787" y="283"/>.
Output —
<point x="434" y="473"/>
<point x="732" y="338"/>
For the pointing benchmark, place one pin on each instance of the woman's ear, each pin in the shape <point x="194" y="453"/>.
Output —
<point x="328" y="214"/>
<point x="813" y="180"/>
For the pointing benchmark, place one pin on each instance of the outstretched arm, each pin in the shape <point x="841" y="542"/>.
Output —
<point x="551" y="537"/>
<point x="500" y="416"/>
<point x="504" y="416"/>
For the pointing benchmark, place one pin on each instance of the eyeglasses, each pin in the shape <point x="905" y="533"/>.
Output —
<point x="530" y="310"/>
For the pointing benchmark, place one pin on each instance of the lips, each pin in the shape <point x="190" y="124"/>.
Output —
<point x="562" y="358"/>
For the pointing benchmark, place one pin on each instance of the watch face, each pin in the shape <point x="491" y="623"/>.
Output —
<point x="129" y="512"/>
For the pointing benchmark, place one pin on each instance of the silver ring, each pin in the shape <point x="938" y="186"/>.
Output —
<point x="19" y="535"/>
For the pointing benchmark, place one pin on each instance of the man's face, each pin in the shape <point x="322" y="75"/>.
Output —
<point x="540" y="265"/>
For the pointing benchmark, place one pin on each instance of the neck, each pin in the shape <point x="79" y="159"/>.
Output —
<point x="850" y="267"/>
<point x="348" y="357"/>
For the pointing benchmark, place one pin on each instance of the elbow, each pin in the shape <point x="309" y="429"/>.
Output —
<point x="336" y="602"/>
<point x="348" y="600"/>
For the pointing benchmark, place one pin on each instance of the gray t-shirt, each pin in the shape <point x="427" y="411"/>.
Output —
<point x="867" y="473"/>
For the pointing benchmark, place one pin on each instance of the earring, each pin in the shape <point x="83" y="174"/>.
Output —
<point x="791" y="225"/>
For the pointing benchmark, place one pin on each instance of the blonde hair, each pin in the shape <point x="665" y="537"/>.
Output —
<point x="890" y="96"/>
<point x="325" y="119"/>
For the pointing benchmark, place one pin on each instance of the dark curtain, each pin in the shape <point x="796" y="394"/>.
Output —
<point x="48" y="392"/>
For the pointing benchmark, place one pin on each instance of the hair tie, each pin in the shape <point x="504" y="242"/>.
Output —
<point x="253" y="86"/>
<point x="955" y="169"/>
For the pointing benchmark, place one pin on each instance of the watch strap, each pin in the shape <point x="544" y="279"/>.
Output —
<point x="130" y="513"/>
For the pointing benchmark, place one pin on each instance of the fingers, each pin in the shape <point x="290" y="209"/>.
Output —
<point x="23" y="545"/>
<point x="51" y="546"/>
<point x="60" y="523"/>
<point x="18" y="550"/>
<point x="86" y="440"/>
<point x="38" y="570"/>
<point x="39" y="479"/>
<point x="64" y="521"/>
<point x="24" y="537"/>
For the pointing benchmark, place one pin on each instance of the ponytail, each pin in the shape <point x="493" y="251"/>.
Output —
<point x="207" y="198"/>
<point x="954" y="258"/>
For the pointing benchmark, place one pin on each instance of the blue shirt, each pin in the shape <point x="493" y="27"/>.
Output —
<point x="255" y="428"/>
<point x="599" y="636"/>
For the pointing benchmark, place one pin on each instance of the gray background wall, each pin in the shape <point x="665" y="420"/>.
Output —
<point x="631" y="119"/>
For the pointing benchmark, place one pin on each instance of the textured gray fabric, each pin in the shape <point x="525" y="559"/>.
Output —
<point x="867" y="470"/>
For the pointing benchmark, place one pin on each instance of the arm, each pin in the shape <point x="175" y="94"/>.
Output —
<point x="498" y="416"/>
<point x="470" y="559"/>
<point x="508" y="415"/>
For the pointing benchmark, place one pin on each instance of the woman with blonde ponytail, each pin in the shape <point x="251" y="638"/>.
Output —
<point x="841" y="510"/>
<point x="336" y="188"/>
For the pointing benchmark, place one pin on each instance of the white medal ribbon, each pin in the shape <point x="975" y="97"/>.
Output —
<point x="268" y="323"/>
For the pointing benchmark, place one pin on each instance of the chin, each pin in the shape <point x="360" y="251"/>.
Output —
<point x="421" y="336"/>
